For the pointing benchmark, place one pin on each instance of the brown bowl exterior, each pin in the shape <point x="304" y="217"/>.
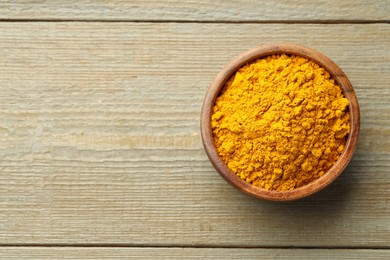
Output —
<point x="249" y="56"/>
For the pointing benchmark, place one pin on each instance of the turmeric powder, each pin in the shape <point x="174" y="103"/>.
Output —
<point x="280" y="122"/>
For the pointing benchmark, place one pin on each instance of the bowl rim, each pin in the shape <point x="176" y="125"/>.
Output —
<point x="266" y="50"/>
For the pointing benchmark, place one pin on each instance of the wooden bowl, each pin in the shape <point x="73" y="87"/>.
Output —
<point x="265" y="50"/>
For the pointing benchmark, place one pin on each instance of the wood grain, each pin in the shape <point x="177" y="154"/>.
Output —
<point x="185" y="253"/>
<point x="99" y="124"/>
<point x="189" y="10"/>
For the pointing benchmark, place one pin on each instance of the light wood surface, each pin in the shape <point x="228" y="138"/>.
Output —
<point x="189" y="10"/>
<point x="101" y="147"/>
<point x="101" y="143"/>
<point x="187" y="253"/>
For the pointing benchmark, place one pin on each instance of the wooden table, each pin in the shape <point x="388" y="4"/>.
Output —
<point x="101" y="154"/>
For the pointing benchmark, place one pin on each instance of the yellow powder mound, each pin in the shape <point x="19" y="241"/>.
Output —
<point x="280" y="122"/>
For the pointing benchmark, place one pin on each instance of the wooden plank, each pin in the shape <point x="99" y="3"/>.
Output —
<point x="99" y="124"/>
<point x="180" y="253"/>
<point x="188" y="10"/>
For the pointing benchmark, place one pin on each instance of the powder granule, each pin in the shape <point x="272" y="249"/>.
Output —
<point x="280" y="122"/>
